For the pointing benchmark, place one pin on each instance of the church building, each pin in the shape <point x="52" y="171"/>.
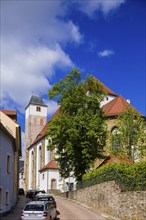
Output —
<point x="41" y="170"/>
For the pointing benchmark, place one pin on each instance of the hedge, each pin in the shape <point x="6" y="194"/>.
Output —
<point x="129" y="177"/>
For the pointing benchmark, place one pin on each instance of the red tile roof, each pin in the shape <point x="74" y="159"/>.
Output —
<point x="51" y="165"/>
<point x="116" y="106"/>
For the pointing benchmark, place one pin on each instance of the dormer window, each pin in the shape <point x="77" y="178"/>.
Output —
<point x="38" y="109"/>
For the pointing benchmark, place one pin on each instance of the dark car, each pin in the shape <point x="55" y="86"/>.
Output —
<point x="46" y="197"/>
<point x="21" y="191"/>
<point x="39" y="191"/>
<point x="31" y="193"/>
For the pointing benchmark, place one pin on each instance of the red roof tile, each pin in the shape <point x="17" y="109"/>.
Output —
<point x="51" y="165"/>
<point x="116" y="106"/>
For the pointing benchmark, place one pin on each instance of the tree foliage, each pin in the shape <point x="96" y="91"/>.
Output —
<point x="78" y="132"/>
<point x="130" y="135"/>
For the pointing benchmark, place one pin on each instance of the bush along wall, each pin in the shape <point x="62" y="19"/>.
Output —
<point x="129" y="177"/>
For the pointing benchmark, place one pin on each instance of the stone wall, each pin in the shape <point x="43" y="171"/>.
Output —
<point x="109" y="199"/>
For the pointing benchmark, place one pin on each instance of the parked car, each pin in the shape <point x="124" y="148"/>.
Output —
<point x="46" y="197"/>
<point x="21" y="191"/>
<point x="31" y="193"/>
<point x="38" y="210"/>
<point x="40" y="191"/>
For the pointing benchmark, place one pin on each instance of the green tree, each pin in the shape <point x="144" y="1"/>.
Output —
<point x="78" y="132"/>
<point x="130" y="135"/>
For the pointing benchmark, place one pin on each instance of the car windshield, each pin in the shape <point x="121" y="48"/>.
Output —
<point x="33" y="207"/>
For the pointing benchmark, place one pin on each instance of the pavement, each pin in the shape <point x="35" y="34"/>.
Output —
<point x="15" y="213"/>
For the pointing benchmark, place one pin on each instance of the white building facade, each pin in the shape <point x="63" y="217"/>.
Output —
<point x="10" y="151"/>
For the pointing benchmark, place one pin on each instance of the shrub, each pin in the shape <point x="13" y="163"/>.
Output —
<point x="131" y="177"/>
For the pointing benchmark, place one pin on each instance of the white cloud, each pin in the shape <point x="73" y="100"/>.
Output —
<point x="105" y="53"/>
<point x="52" y="107"/>
<point x="33" y="35"/>
<point x="105" y="6"/>
<point x="31" y="48"/>
<point x="28" y="70"/>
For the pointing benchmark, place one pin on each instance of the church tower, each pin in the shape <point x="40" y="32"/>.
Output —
<point x="35" y="120"/>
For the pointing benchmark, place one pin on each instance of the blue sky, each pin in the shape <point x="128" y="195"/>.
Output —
<point x="41" y="41"/>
